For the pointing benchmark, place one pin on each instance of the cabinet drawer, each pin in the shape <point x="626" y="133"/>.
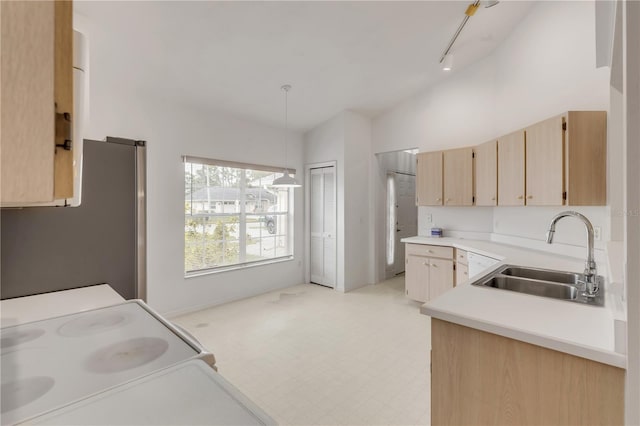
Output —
<point x="429" y="250"/>
<point x="461" y="257"/>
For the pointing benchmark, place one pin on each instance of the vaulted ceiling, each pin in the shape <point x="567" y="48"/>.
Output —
<point x="234" y="56"/>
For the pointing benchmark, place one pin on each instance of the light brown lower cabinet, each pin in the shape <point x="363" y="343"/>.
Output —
<point x="428" y="271"/>
<point x="462" y="273"/>
<point x="479" y="378"/>
<point x="462" y="266"/>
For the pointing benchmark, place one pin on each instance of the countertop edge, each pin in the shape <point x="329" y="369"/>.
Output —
<point x="594" y="354"/>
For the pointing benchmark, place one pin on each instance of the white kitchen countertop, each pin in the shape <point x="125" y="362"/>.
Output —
<point x="573" y="328"/>
<point x="41" y="306"/>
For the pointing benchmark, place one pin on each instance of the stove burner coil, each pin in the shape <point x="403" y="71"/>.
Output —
<point x="93" y="323"/>
<point x="14" y="338"/>
<point x="21" y="392"/>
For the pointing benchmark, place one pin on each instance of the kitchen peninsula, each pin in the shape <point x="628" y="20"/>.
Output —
<point x="507" y="357"/>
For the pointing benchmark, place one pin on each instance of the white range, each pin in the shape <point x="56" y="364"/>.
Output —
<point x="100" y="358"/>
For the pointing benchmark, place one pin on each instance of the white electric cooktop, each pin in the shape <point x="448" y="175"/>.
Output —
<point x="53" y="362"/>
<point x="189" y="393"/>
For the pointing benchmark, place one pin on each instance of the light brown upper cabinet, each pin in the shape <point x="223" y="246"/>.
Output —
<point x="458" y="177"/>
<point x="37" y="101"/>
<point x="566" y="160"/>
<point x="586" y="158"/>
<point x="511" y="165"/>
<point x="544" y="162"/>
<point x="429" y="179"/>
<point x="558" y="161"/>
<point x="486" y="174"/>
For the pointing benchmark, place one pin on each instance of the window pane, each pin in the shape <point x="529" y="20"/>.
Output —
<point x="233" y="216"/>
<point x="267" y="236"/>
<point x="211" y="241"/>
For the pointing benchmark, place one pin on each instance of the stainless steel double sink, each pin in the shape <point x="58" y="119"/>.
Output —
<point x="560" y="285"/>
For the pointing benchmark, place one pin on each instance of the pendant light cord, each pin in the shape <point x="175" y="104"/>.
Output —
<point x="286" y="126"/>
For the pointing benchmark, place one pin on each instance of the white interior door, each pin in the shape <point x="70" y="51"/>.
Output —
<point x="323" y="226"/>
<point x="402" y="218"/>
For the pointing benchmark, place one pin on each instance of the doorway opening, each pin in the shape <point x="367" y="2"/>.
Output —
<point x="397" y="195"/>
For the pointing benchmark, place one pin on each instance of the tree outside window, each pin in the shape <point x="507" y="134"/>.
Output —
<point x="234" y="217"/>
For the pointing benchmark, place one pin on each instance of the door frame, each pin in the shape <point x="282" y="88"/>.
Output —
<point x="307" y="216"/>
<point x="386" y="216"/>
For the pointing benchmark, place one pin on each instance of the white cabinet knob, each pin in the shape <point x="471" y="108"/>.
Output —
<point x="434" y="265"/>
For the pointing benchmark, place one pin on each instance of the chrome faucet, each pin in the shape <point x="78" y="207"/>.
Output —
<point x="590" y="269"/>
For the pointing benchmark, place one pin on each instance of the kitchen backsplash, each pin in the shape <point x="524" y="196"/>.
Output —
<point x="523" y="222"/>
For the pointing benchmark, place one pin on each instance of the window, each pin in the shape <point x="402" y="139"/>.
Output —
<point x="233" y="216"/>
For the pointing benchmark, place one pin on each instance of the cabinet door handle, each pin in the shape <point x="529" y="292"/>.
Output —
<point x="493" y="198"/>
<point x="434" y="265"/>
<point x="529" y="196"/>
<point x="438" y="199"/>
<point x="520" y="197"/>
<point x="465" y="273"/>
<point x="425" y="263"/>
<point x="448" y="199"/>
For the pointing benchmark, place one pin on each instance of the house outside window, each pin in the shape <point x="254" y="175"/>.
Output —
<point x="233" y="216"/>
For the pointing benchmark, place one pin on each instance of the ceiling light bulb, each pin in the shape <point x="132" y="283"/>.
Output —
<point x="447" y="64"/>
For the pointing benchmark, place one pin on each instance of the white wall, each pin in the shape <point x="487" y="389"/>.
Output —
<point x="546" y="66"/>
<point x="358" y="211"/>
<point x="533" y="223"/>
<point x="457" y="112"/>
<point x="346" y="139"/>
<point x="615" y="148"/>
<point x="172" y="130"/>
<point x="478" y="220"/>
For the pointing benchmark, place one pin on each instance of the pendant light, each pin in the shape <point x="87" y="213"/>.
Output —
<point x="286" y="181"/>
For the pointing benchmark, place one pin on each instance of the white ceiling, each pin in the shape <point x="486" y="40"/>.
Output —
<point x="234" y="56"/>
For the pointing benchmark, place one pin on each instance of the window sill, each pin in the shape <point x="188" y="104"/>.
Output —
<point x="237" y="267"/>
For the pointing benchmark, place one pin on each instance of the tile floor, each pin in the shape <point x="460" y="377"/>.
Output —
<point x="309" y="355"/>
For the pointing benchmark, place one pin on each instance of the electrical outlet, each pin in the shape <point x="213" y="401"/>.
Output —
<point x="429" y="218"/>
<point x="597" y="233"/>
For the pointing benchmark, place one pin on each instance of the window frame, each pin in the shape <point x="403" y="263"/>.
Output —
<point x="242" y="217"/>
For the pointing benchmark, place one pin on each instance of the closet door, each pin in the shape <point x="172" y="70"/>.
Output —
<point x="323" y="226"/>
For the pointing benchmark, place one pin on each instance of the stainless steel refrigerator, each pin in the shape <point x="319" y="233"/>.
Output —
<point x="45" y="249"/>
